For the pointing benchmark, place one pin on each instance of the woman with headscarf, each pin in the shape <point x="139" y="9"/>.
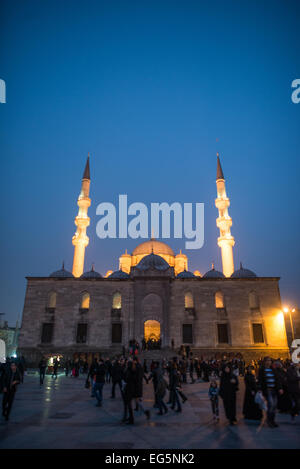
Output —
<point x="251" y="410"/>
<point x="228" y="388"/>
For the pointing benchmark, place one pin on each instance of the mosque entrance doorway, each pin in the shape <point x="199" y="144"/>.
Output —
<point x="152" y="339"/>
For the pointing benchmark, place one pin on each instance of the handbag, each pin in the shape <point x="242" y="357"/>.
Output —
<point x="260" y="401"/>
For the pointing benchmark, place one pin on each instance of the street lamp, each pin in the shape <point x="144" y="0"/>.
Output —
<point x="289" y="312"/>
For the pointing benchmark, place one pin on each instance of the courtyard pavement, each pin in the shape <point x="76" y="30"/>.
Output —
<point x="61" y="414"/>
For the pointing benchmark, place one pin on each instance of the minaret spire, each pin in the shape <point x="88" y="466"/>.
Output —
<point x="224" y="223"/>
<point x="80" y="240"/>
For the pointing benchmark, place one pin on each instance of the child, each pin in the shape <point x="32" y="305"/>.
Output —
<point x="213" y="393"/>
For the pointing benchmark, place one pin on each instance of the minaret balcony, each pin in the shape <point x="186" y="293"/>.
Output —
<point x="83" y="222"/>
<point x="224" y="224"/>
<point x="222" y="204"/>
<point x="85" y="202"/>
<point x="226" y="241"/>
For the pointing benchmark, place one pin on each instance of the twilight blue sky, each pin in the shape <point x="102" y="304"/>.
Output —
<point x="147" y="87"/>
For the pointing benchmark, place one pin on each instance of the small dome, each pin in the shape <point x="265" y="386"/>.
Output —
<point x="62" y="273"/>
<point x="153" y="246"/>
<point x="91" y="274"/>
<point x="243" y="273"/>
<point x="197" y="273"/>
<point x="185" y="274"/>
<point x="152" y="261"/>
<point x="213" y="273"/>
<point x="119" y="274"/>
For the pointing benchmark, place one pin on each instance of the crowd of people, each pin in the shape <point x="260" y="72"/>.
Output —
<point x="271" y="386"/>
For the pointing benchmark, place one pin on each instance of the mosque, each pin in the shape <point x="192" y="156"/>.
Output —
<point x="153" y="296"/>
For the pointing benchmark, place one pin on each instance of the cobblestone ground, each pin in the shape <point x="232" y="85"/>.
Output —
<point x="62" y="414"/>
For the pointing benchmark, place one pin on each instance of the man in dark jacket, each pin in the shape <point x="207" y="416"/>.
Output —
<point x="11" y="379"/>
<point x="99" y="382"/>
<point x="42" y="368"/>
<point x="130" y="378"/>
<point x="139" y="388"/>
<point x="91" y="374"/>
<point x="293" y="387"/>
<point x="269" y="383"/>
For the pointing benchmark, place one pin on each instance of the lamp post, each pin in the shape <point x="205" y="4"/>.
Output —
<point x="289" y="312"/>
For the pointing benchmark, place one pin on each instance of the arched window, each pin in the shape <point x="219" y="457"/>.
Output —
<point x="219" y="300"/>
<point x="51" y="301"/>
<point x="85" y="300"/>
<point x="189" y="300"/>
<point x="117" y="301"/>
<point x="253" y="301"/>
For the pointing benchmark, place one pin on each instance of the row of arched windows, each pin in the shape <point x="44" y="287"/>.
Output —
<point x="219" y="300"/>
<point x="85" y="300"/>
<point x="188" y="300"/>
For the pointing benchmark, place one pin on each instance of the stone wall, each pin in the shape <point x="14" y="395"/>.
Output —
<point x="158" y="297"/>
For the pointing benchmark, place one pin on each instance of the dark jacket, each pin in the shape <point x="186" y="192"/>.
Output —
<point x="100" y="373"/>
<point x="139" y="380"/>
<point x="293" y="380"/>
<point x="9" y="377"/>
<point x="130" y="378"/>
<point x="228" y="388"/>
<point x="116" y="372"/>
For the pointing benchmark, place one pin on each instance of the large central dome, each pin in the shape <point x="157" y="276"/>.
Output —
<point x="153" y="246"/>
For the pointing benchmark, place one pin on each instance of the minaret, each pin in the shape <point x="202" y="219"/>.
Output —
<point x="80" y="240"/>
<point x="224" y="222"/>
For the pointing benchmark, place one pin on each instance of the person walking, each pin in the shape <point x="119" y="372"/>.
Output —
<point x="139" y="388"/>
<point x="228" y="390"/>
<point x="11" y="379"/>
<point x="55" y="367"/>
<point x="91" y="374"/>
<point x="116" y="376"/>
<point x="99" y="379"/>
<point x="129" y="392"/>
<point x="42" y="368"/>
<point x="251" y="410"/>
<point x="161" y="388"/>
<point x="293" y="387"/>
<point x="174" y="384"/>
<point x="213" y="394"/>
<point x="191" y="368"/>
<point x="269" y="384"/>
<point x="153" y="376"/>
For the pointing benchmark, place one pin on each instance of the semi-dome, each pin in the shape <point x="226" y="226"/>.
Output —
<point x="213" y="273"/>
<point x="153" y="246"/>
<point x="243" y="273"/>
<point x="152" y="261"/>
<point x="185" y="274"/>
<point x="62" y="273"/>
<point x="91" y="274"/>
<point x="119" y="274"/>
